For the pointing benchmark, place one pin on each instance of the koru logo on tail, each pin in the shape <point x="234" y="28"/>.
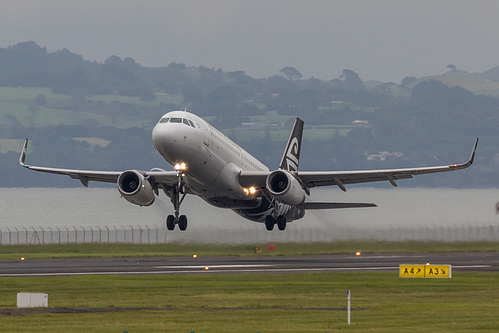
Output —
<point x="292" y="155"/>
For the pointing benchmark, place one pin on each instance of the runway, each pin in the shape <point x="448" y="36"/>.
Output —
<point x="476" y="261"/>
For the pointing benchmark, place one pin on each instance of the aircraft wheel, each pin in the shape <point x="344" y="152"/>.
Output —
<point x="170" y="222"/>
<point x="269" y="223"/>
<point x="281" y="222"/>
<point x="182" y="222"/>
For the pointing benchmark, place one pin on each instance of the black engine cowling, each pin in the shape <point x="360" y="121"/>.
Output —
<point x="285" y="188"/>
<point x="135" y="188"/>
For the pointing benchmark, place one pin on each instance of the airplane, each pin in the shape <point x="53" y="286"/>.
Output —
<point x="210" y="165"/>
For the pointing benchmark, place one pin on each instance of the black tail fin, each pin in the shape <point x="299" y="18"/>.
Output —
<point x="291" y="157"/>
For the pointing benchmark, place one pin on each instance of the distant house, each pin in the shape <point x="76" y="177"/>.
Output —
<point x="360" y="122"/>
<point x="382" y="155"/>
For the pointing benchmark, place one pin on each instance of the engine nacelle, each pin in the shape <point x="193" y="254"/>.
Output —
<point x="285" y="188"/>
<point x="135" y="188"/>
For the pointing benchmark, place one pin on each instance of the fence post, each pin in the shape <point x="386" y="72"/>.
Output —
<point x="26" y="238"/>
<point x="140" y="234"/>
<point x="17" y="232"/>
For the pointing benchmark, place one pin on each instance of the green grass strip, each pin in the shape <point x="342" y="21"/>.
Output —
<point x="307" y="302"/>
<point x="277" y="249"/>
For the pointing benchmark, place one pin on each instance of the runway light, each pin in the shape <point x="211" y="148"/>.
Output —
<point x="357" y="253"/>
<point x="206" y="268"/>
<point x="427" y="264"/>
<point x="195" y="256"/>
<point x="22" y="258"/>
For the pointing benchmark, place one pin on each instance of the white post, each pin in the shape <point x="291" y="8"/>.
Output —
<point x="348" y="307"/>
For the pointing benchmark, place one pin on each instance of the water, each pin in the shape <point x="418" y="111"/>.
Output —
<point x="415" y="213"/>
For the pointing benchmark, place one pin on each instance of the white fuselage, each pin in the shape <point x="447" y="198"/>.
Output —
<point x="214" y="161"/>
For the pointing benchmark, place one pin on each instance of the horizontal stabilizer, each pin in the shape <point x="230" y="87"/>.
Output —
<point x="335" y="205"/>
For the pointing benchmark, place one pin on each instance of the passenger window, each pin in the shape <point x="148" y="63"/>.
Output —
<point x="164" y="120"/>
<point x="176" y="120"/>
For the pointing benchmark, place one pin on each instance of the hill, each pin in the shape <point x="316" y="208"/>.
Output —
<point x="99" y="116"/>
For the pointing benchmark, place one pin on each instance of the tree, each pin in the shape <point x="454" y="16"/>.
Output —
<point x="408" y="80"/>
<point x="291" y="73"/>
<point x="352" y="80"/>
<point x="41" y="100"/>
<point x="453" y="68"/>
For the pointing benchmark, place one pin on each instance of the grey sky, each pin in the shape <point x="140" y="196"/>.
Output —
<point x="379" y="39"/>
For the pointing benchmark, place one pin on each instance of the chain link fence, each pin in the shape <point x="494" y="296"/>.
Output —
<point x="255" y="234"/>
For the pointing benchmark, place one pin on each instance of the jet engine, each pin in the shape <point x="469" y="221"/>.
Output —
<point x="135" y="188"/>
<point x="285" y="188"/>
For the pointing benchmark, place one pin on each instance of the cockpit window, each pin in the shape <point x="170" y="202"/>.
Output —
<point x="177" y="120"/>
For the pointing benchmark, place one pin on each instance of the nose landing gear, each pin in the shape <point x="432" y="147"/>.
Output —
<point x="177" y="195"/>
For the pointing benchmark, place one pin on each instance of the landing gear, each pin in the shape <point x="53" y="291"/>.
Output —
<point x="177" y="194"/>
<point x="182" y="222"/>
<point x="281" y="222"/>
<point x="270" y="221"/>
<point x="172" y="220"/>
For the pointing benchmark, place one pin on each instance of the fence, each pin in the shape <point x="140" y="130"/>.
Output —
<point x="255" y="233"/>
<point x="75" y="235"/>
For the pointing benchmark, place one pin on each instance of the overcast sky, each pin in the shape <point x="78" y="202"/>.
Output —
<point x="384" y="40"/>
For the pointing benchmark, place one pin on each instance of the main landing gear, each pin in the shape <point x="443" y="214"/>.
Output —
<point x="177" y="195"/>
<point x="270" y="221"/>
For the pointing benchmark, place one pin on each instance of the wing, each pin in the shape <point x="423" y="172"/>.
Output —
<point x="341" y="178"/>
<point x="311" y="179"/>
<point x="162" y="177"/>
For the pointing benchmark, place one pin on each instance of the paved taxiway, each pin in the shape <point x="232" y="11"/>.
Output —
<point x="477" y="261"/>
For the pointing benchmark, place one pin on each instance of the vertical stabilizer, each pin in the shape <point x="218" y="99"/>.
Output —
<point x="291" y="156"/>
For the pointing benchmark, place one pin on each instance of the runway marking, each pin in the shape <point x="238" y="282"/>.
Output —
<point x="212" y="266"/>
<point x="262" y="270"/>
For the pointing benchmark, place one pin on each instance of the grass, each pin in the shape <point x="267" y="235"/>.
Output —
<point x="307" y="302"/>
<point x="17" y="100"/>
<point x="281" y="249"/>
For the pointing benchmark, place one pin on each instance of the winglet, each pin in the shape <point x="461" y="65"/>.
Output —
<point x="22" y="158"/>
<point x="291" y="156"/>
<point x="472" y="158"/>
<point x="470" y="161"/>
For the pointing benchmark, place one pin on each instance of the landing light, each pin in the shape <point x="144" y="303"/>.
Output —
<point x="248" y="191"/>
<point x="181" y="166"/>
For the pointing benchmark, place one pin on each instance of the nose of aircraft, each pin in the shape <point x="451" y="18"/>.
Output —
<point x="171" y="139"/>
